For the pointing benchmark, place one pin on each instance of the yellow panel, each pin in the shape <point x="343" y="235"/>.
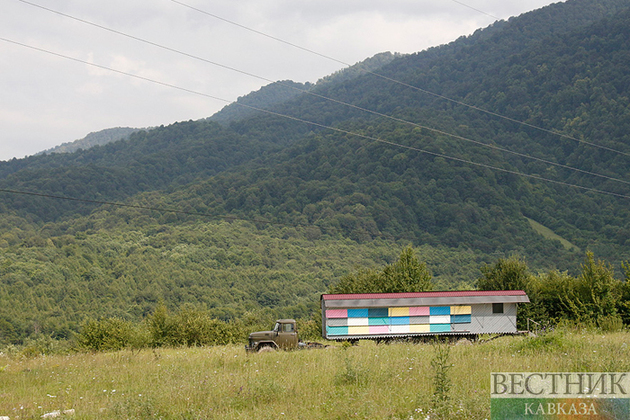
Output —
<point x="358" y="330"/>
<point x="398" y="311"/>
<point x="419" y="328"/>
<point x="460" y="310"/>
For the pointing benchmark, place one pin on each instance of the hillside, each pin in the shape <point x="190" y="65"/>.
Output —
<point x="98" y="138"/>
<point x="271" y="210"/>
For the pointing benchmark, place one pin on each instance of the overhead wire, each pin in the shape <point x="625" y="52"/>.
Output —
<point x="475" y="9"/>
<point x="320" y="125"/>
<point x="389" y="79"/>
<point x="308" y="92"/>
<point x="140" y="207"/>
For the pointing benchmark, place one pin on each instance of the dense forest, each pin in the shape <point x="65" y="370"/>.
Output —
<point x="256" y="213"/>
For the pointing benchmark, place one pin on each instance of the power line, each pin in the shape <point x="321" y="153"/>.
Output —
<point x="476" y="10"/>
<point x="137" y="206"/>
<point x="335" y="129"/>
<point x="400" y="120"/>
<point x="407" y="85"/>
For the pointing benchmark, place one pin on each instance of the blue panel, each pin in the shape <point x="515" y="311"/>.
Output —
<point x="440" y="310"/>
<point x="377" y="312"/>
<point x="399" y="320"/>
<point x="384" y="320"/>
<point x="440" y="327"/>
<point x="461" y="319"/>
<point x="357" y="313"/>
<point x="337" y="330"/>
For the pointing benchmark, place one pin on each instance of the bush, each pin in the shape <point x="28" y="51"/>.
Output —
<point x="191" y="327"/>
<point x="44" y="345"/>
<point x="111" y="334"/>
<point x="310" y="329"/>
<point x="610" y="323"/>
<point x="551" y="340"/>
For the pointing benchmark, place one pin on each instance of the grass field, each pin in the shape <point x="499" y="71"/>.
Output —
<point x="366" y="381"/>
<point x="549" y="234"/>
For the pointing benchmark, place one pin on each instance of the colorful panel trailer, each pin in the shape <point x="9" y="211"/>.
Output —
<point x="387" y="315"/>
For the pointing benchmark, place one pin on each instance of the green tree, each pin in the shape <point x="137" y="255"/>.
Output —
<point x="407" y="274"/>
<point x="506" y="274"/>
<point x="513" y="274"/>
<point x="596" y="294"/>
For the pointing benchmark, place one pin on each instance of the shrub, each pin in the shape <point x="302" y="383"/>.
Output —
<point x="610" y="323"/>
<point x="111" y="334"/>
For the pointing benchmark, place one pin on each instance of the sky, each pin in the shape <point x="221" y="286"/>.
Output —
<point x="50" y="95"/>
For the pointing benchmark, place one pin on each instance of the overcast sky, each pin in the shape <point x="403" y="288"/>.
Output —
<point x="46" y="100"/>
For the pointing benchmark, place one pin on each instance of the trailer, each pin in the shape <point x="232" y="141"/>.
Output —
<point x="387" y="316"/>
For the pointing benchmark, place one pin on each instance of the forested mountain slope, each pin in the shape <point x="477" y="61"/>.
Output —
<point x="305" y="196"/>
<point x="97" y="138"/>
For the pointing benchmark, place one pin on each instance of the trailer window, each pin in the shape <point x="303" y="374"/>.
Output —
<point x="497" y="308"/>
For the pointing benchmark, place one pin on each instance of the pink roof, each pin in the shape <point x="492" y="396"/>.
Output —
<point x="453" y="293"/>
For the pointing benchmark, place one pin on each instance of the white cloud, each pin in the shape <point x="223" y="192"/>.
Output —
<point x="47" y="100"/>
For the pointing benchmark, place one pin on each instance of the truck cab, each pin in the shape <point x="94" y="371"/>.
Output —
<point x="283" y="336"/>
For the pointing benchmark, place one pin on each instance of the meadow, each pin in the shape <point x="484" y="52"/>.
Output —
<point x="366" y="381"/>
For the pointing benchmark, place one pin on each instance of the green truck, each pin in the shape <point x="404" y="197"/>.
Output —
<point x="283" y="336"/>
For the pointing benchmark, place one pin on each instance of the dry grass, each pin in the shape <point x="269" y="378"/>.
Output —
<point x="366" y="381"/>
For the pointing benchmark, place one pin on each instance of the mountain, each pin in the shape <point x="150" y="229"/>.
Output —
<point x="283" y="91"/>
<point x="98" y="138"/>
<point x="262" y="212"/>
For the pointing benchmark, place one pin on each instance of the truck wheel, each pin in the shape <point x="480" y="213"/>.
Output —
<point x="266" y="349"/>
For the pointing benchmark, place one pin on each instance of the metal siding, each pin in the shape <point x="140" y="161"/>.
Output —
<point x="337" y="330"/>
<point x="461" y="319"/>
<point x="323" y="309"/>
<point x="440" y="310"/>
<point x="379" y="329"/>
<point x="337" y="322"/>
<point x="358" y="330"/>
<point x="377" y="312"/>
<point x="399" y="320"/>
<point x="357" y="321"/>
<point x="398" y="311"/>
<point x="460" y="310"/>
<point x="419" y="311"/>
<point x="460" y="327"/>
<point x="379" y="321"/>
<point x="451" y="293"/>
<point x="483" y="321"/>
<point x="399" y="329"/>
<point x="337" y="313"/>
<point x="440" y="327"/>
<point x="358" y="313"/>
<point x="416" y="320"/>
<point x="420" y="328"/>
<point x="440" y="319"/>
<point x="411" y="302"/>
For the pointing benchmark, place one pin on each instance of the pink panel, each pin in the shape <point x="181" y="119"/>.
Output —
<point x="336" y="313"/>
<point x="379" y="329"/>
<point x="419" y="311"/>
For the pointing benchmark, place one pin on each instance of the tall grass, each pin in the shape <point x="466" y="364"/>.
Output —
<point x="367" y="381"/>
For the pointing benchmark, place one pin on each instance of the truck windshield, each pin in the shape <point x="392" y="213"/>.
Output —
<point x="277" y="327"/>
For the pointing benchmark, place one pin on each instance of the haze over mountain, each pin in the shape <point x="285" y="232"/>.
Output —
<point x="274" y="206"/>
<point x="97" y="138"/>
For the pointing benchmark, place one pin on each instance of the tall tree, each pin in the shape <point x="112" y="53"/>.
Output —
<point x="407" y="274"/>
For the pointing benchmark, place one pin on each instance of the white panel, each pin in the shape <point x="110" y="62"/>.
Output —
<point x="358" y="321"/>
<point x="399" y="329"/>
<point x="440" y="319"/>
